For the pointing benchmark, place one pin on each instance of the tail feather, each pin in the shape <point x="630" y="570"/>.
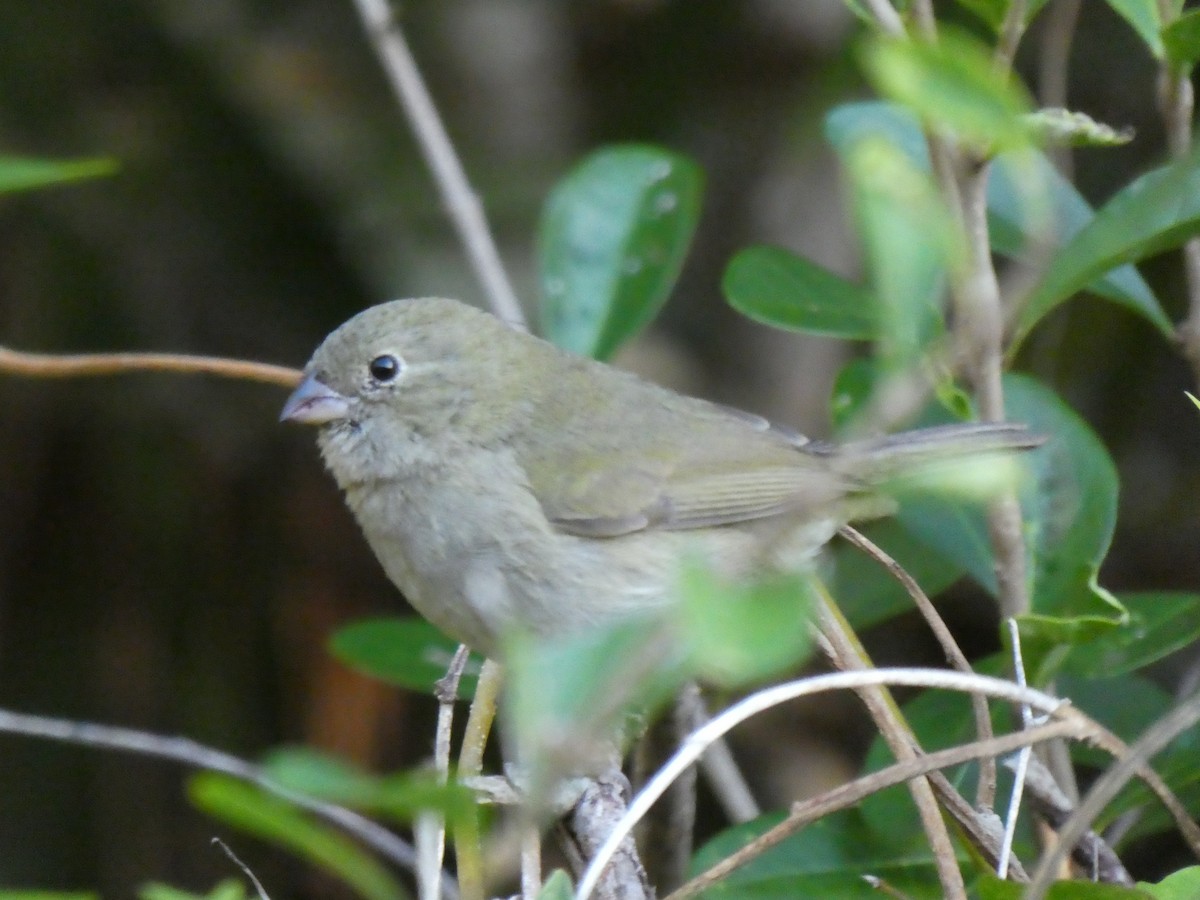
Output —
<point x="879" y="459"/>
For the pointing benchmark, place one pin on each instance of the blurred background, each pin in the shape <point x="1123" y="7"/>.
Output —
<point x="172" y="559"/>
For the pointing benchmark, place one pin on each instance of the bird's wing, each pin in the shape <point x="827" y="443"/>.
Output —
<point x="630" y="456"/>
<point x="627" y="497"/>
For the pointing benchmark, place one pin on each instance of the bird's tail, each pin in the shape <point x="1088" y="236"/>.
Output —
<point x="878" y="460"/>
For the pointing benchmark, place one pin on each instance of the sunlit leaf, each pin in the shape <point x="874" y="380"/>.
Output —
<point x="910" y="243"/>
<point x="951" y="84"/>
<point x="1181" y="39"/>
<point x="743" y="632"/>
<point x="1181" y="885"/>
<point x="1029" y="202"/>
<point x="557" y="887"/>
<point x="568" y="698"/>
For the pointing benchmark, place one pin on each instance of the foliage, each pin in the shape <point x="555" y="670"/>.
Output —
<point x="947" y="174"/>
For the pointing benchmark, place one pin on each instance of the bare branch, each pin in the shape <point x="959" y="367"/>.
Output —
<point x="848" y="654"/>
<point x="1011" y="31"/>
<point x="1092" y="854"/>
<point x="191" y="753"/>
<point x="985" y="794"/>
<point x="1155" y="738"/>
<point x="81" y="365"/>
<point x="845" y="796"/>
<point x="468" y="846"/>
<point x="722" y="724"/>
<point x="886" y="17"/>
<point x="462" y="203"/>
<point x="430" y="828"/>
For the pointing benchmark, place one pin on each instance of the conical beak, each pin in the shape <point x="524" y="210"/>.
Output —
<point x="314" y="403"/>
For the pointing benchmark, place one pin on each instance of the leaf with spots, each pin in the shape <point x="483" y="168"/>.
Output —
<point x="612" y="240"/>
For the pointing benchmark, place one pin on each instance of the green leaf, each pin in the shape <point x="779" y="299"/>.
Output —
<point x="1181" y="885"/>
<point x="910" y="243"/>
<point x="407" y="652"/>
<point x="557" y="887"/>
<point x="1128" y="705"/>
<point x="744" y="632"/>
<point x="567" y="698"/>
<point x="827" y="859"/>
<point x="1069" y="512"/>
<point x="992" y="888"/>
<point x="1181" y="40"/>
<point x="1025" y="194"/>
<point x="1142" y="15"/>
<point x="992" y="12"/>
<point x="778" y="288"/>
<point x="1125" y="704"/>
<point x="612" y="239"/>
<point x="1159" y="623"/>
<point x="268" y="817"/>
<point x="229" y="889"/>
<point x="952" y="84"/>
<point x="308" y="771"/>
<point x="1158" y="211"/>
<point x="18" y="173"/>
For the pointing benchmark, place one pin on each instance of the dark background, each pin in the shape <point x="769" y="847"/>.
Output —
<point x="172" y="559"/>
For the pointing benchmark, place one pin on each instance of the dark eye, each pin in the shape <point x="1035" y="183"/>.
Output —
<point x="384" y="368"/>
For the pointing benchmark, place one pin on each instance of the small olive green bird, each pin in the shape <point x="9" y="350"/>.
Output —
<point x="504" y="483"/>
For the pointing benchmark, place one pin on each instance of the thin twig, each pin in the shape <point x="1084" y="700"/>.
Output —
<point x="848" y="654"/>
<point x="246" y="870"/>
<point x="725" y="778"/>
<point x="847" y="795"/>
<point x="1011" y="31"/>
<point x="1154" y="739"/>
<point x="1093" y="854"/>
<point x="923" y="15"/>
<point x="1054" y="57"/>
<point x="191" y="753"/>
<point x="430" y="828"/>
<point x="1176" y="99"/>
<point x="531" y="862"/>
<point x="78" y="365"/>
<point x="985" y="794"/>
<point x="462" y="203"/>
<point x="468" y="847"/>
<point x="886" y="17"/>
<point x="728" y="719"/>
<point x="1022" y="766"/>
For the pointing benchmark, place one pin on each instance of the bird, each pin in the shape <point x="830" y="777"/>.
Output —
<point x="505" y="484"/>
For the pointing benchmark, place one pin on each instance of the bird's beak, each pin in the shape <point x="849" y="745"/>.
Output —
<point x="314" y="403"/>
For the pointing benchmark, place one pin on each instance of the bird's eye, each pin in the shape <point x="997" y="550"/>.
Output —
<point x="384" y="368"/>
